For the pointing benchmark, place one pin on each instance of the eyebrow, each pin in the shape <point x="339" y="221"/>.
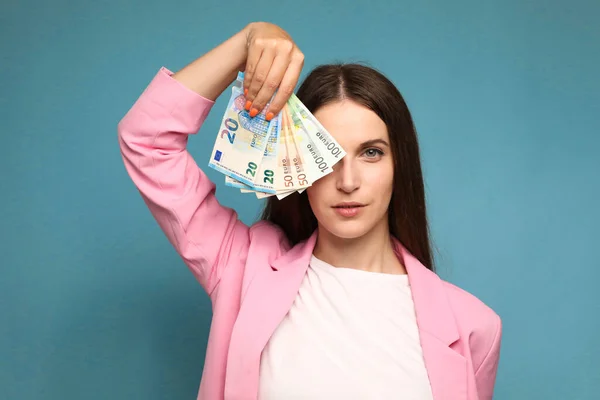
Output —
<point x="374" y="142"/>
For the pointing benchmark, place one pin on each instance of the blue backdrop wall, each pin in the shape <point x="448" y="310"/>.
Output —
<point x="94" y="302"/>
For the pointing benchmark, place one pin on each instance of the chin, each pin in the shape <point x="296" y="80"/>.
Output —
<point x="346" y="230"/>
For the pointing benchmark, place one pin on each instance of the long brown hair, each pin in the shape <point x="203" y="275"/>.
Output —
<point x="368" y="87"/>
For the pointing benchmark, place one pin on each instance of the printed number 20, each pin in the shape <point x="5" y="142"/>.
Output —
<point x="251" y="170"/>
<point x="268" y="178"/>
<point x="232" y="126"/>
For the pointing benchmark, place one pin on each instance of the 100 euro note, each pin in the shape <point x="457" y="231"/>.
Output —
<point x="241" y="141"/>
<point x="327" y="149"/>
<point x="318" y="163"/>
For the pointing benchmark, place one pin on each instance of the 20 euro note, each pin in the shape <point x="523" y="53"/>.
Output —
<point x="265" y="177"/>
<point x="241" y="141"/>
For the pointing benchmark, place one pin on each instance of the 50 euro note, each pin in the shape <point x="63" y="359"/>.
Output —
<point x="272" y="161"/>
<point x="291" y="163"/>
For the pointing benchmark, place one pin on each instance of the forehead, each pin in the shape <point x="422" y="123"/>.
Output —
<point x="351" y="123"/>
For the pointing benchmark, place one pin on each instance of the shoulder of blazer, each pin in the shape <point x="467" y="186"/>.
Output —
<point x="268" y="233"/>
<point x="478" y="323"/>
<point x="268" y="238"/>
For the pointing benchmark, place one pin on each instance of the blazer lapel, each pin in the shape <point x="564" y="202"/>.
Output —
<point x="447" y="369"/>
<point x="268" y="299"/>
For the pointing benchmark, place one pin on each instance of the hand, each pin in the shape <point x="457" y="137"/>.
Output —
<point x="274" y="62"/>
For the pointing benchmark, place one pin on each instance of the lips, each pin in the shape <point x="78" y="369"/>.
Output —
<point x="348" y="209"/>
<point x="348" y="205"/>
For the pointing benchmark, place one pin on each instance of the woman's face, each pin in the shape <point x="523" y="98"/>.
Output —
<point x="353" y="200"/>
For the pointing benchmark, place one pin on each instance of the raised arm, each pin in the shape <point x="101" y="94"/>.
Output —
<point x="153" y="138"/>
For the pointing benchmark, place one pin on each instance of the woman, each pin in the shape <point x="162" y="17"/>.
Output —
<point x="332" y="295"/>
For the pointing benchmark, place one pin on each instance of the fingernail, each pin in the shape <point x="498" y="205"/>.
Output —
<point x="253" y="112"/>
<point x="270" y="116"/>
<point x="246" y="92"/>
<point x="248" y="105"/>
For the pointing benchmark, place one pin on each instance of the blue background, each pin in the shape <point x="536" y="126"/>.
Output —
<point x="94" y="302"/>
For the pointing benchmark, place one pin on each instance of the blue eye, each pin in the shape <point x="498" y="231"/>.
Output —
<point x="373" y="152"/>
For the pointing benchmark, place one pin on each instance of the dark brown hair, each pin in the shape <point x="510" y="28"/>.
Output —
<point x="368" y="87"/>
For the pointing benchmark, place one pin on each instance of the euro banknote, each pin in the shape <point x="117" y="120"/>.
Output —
<point x="272" y="158"/>
<point x="241" y="142"/>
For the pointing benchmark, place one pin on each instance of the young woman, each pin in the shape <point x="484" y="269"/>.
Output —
<point x="332" y="295"/>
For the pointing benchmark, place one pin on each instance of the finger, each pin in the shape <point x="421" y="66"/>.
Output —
<point x="287" y="85"/>
<point x="254" y="54"/>
<point x="276" y="73"/>
<point x="260" y="74"/>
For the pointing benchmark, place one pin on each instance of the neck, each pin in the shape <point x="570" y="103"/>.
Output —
<point x="373" y="252"/>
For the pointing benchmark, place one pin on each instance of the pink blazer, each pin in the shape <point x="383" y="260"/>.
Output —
<point x="252" y="275"/>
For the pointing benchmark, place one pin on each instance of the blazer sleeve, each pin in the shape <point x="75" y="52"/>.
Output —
<point x="485" y="375"/>
<point x="153" y="137"/>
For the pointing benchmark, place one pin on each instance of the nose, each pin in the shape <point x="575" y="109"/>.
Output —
<point x="347" y="175"/>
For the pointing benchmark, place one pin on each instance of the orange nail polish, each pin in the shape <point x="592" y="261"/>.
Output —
<point x="248" y="105"/>
<point x="246" y="92"/>
<point x="253" y="112"/>
<point x="270" y="116"/>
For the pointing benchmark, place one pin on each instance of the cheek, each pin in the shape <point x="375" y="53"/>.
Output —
<point x="389" y="181"/>
<point x="382" y="179"/>
<point x="315" y="193"/>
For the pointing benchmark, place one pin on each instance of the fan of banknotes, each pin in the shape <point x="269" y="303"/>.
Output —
<point x="272" y="158"/>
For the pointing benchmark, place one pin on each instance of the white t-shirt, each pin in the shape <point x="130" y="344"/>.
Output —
<point x="350" y="334"/>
